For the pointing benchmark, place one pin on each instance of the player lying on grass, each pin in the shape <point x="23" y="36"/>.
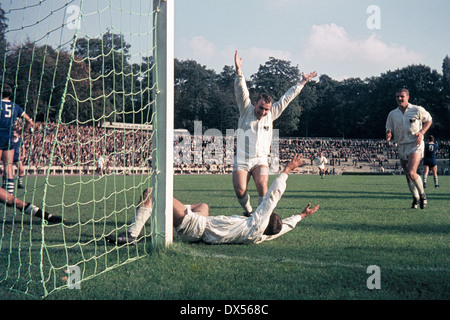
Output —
<point x="192" y="223"/>
<point x="10" y="201"/>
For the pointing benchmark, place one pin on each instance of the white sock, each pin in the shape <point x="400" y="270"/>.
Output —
<point x="414" y="191"/>
<point x="245" y="202"/>
<point x="31" y="209"/>
<point x="419" y="185"/>
<point x="141" y="217"/>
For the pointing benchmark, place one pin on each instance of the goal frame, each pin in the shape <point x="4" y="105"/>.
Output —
<point x="162" y="164"/>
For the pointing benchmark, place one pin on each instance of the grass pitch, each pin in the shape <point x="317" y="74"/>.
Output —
<point x="362" y="221"/>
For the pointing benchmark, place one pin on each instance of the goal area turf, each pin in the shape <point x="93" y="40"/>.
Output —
<point x="363" y="221"/>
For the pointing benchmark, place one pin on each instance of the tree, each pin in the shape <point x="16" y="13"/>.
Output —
<point x="321" y="122"/>
<point x="110" y="73"/>
<point x="225" y="103"/>
<point x="3" y="42"/>
<point x="195" y="92"/>
<point x="445" y="86"/>
<point x="38" y="75"/>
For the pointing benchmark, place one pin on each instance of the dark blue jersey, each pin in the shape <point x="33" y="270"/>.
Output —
<point x="8" y="115"/>
<point x="430" y="150"/>
<point x="10" y="112"/>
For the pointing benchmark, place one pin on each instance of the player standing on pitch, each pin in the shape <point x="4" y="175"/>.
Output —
<point x="407" y="125"/>
<point x="429" y="161"/>
<point x="254" y="135"/>
<point x="321" y="161"/>
<point x="9" y="113"/>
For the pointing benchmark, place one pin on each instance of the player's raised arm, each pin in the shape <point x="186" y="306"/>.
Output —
<point x="238" y="63"/>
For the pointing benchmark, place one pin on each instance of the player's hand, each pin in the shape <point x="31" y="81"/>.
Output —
<point x="388" y="135"/>
<point x="297" y="161"/>
<point x="419" y="137"/>
<point x="308" y="210"/>
<point x="238" y="63"/>
<point x="309" y="76"/>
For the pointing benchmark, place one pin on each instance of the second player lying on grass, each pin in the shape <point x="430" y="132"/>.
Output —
<point x="193" y="223"/>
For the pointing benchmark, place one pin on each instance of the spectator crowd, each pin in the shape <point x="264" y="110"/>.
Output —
<point x="78" y="145"/>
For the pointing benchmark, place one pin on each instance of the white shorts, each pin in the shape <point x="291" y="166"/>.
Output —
<point x="404" y="150"/>
<point x="251" y="164"/>
<point x="192" y="227"/>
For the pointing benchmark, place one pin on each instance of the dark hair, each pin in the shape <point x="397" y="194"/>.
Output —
<point x="7" y="91"/>
<point x="274" y="225"/>
<point x="265" y="97"/>
<point x="403" y="90"/>
<point x="430" y="138"/>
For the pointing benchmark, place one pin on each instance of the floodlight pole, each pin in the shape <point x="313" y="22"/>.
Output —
<point x="163" y="75"/>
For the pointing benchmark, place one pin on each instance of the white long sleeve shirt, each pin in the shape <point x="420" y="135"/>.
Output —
<point x="244" y="230"/>
<point x="321" y="162"/>
<point x="259" y="132"/>
<point x="404" y="126"/>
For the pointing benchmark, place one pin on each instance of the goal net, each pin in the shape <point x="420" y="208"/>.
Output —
<point x="88" y="75"/>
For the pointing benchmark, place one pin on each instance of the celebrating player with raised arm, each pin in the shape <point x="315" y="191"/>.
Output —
<point x="254" y="135"/>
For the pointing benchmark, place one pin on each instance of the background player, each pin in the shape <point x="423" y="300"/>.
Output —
<point x="429" y="161"/>
<point x="321" y="161"/>
<point x="9" y="113"/>
<point x="406" y="125"/>
<point x="254" y="135"/>
<point x="101" y="166"/>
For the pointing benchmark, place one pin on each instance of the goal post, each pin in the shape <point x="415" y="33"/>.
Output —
<point x="164" y="120"/>
<point x="97" y="79"/>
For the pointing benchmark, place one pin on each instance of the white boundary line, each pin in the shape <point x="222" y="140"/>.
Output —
<point x="195" y="253"/>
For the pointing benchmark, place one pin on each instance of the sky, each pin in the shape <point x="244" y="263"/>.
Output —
<point x="340" y="38"/>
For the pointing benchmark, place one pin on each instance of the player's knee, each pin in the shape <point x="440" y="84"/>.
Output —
<point x="241" y="193"/>
<point x="147" y="197"/>
<point x="411" y="174"/>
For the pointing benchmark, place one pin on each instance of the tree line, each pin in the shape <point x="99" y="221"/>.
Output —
<point x="352" y="108"/>
<point x="94" y="80"/>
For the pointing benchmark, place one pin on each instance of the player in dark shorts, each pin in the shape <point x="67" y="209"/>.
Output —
<point x="9" y="113"/>
<point x="429" y="161"/>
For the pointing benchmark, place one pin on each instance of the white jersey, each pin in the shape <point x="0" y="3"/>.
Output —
<point x="100" y="162"/>
<point x="321" y="162"/>
<point x="238" y="229"/>
<point x="405" y="126"/>
<point x="259" y="132"/>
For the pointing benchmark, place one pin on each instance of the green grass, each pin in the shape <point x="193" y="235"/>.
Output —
<point x="362" y="221"/>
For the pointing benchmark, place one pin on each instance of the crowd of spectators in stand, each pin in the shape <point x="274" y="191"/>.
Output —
<point x="73" y="145"/>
